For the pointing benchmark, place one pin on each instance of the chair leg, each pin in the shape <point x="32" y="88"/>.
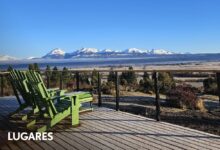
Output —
<point x="34" y="111"/>
<point x="91" y="106"/>
<point x="75" y="111"/>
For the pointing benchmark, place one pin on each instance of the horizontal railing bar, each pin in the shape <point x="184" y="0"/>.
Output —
<point x="139" y="70"/>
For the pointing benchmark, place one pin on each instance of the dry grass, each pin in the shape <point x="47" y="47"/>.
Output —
<point x="209" y="97"/>
<point x="200" y="105"/>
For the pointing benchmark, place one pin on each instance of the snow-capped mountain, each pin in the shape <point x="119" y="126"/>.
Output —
<point x="82" y="52"/>
<point x="55" y="53"/>
<point x="160" y="52"/>
<point x="6" y="57"/>
<point x="94" y="52"/>
<point x="87" y="51"/>
<point x="31" y="57"/>
<point x="136" y="51"/>
<point x="107" y="51"/>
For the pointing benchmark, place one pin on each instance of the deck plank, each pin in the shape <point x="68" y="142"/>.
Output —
<point x="183" y="131"/>
<point x="109" y="129"/>
<point x="141" y="129"/>
<point x="146" y="140"/>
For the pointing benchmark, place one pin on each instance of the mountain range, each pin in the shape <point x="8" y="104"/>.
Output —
<point x="58" y="53"/>
<point x="94" y="52"/>
<point x="6" y="57"/>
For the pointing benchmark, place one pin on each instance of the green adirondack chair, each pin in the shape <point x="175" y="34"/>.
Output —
<point x="56" y="108"/>
<point x="84" y="97"/>
<point x="18" y="81"/>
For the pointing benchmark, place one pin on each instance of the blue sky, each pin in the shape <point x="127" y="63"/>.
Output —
<point x="32" y="28"/>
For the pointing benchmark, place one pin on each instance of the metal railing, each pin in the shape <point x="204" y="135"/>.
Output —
<point x="117" y="90"/>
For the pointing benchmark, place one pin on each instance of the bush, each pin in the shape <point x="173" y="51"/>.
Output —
<point x="210" y="86"/>
<point x="166" y="82"/>
<point x="146" y="85"/>
<point x="183" y="96"/>
<point x="108" y="87"/>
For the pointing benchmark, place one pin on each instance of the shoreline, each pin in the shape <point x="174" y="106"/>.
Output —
<point x="195" y="65"/>
<point x="214" y="65"/>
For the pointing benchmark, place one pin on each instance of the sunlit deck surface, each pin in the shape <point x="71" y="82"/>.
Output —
<point x="108" y="129"/>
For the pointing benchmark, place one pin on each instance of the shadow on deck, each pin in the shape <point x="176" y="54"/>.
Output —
<point x="108" y="129"/>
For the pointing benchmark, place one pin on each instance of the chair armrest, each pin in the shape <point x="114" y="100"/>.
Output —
<point x="53" y="89"/>
<point x="57" y="97"/>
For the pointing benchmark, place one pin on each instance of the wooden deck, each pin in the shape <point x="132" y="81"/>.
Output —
<point x="108" y="129"/>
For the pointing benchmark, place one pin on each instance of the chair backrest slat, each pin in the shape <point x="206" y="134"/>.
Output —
<point x="41" y="92"/>
<point x="19" y="81"/>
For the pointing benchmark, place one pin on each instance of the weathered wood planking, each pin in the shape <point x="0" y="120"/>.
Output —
<point x="109" y="129"/>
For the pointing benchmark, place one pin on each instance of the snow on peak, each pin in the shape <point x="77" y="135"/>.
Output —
<point x="107" y="51"/>
<point x="6" y="57"/>
<point x="56" y="51"/>
<point x="31" y="57"/>
<point x="136" y="50"/>
<point x="161" y="52"/>
<point x="87" y="50"/>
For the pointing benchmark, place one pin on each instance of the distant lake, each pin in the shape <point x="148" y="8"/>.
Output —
<point x="108" y="61"/>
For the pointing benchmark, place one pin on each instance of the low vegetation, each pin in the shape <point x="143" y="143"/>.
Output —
<point x="210" y="86"/>
<point x="181" y="96"/>
<point x="184" y="96"/>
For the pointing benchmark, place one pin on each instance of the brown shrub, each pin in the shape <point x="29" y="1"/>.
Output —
<point x="183" y="96"/>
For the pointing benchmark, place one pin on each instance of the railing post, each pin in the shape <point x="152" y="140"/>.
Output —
<point x="48" y="81"/>
<point x="157" y="97"/>
<point x="61" y="81"/>
<point x="77" y="81"/>
<point x="117" y="90"/>
<point x="2" y="85"/>
<point x="99" y="90"/>
<point x="218" y="83"/>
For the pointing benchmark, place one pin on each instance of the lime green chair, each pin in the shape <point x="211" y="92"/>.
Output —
<point x="19" y="81"/>
<point x="56" y="108"/>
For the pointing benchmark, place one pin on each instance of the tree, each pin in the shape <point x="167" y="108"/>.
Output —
<point x="146" y="76"/>
<point x="31" y="66"/>
<point x="65" y="74"/>
<point x="34" y="67"/>
<point x="84" y="78"/>
<point x="166" y="82"/>
<point x="111" y="76"/>
<point x="94" y="78"/>
<point x="9" y="68"/>
<point x="48" y="71"/>
<point x="146" y="84"/>
<point x="129" y="76"/>
<point x="55" y="74"/>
